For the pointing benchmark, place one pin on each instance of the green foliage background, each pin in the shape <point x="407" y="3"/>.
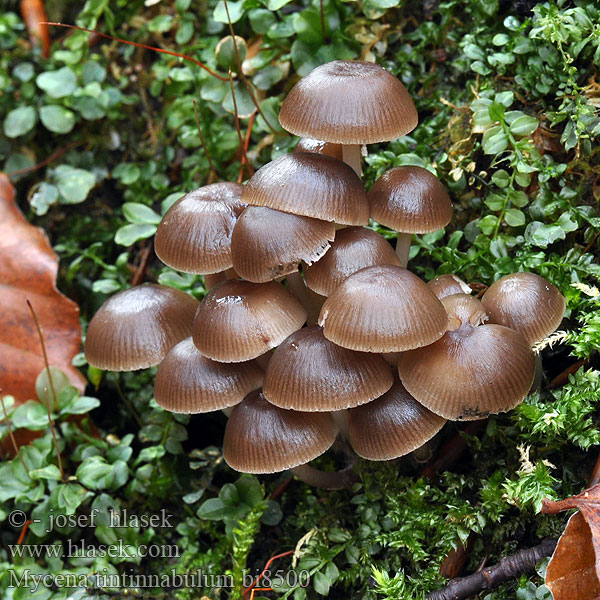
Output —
<point x="507" y="97"/>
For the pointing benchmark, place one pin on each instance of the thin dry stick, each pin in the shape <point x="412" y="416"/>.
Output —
<point x="323" y="21"/>
<point x="45" y="162"/>
<point x="203" y="142"/>
<point x="12" y="436"/>
<point x="246" y="145"/>
<point x="244" y="78"/>
<point x="237" y="120"/>
<point x="508" y="568"/>
<point x="161" y="50"/>
<point x="52" y="390"/>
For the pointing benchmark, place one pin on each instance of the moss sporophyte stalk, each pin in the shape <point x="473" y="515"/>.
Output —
<point x="379" y="345"/>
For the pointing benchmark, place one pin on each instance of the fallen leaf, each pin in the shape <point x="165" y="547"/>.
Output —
<point x="574" y="570"/>
<point x="28" y="268"/>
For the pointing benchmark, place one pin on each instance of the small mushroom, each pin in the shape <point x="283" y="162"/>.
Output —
<point x="307" y="372"/>
<point x="267" y="243"/>
<point x="526" y="303"/>
<point x="187" y="382"/>
<point x="409" y="200"/>
<point x="391" y="426"/>
<point x="310" y="185"/>
<point x="474" y="370"/>
<point x="319" y="147"/>
<point x="353" y="249"/>
<point x="447" y="285"/>
<point x="263" y="438"/>
<point x="349" y="102"/>
<point x="135" y="329"/>
<point x="383" y="308"/>
<point x="194" y="236"/>
<point x="238" y="320"/>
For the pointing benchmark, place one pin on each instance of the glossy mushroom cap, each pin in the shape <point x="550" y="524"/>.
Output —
<point x="461" y="309"/>
<point x="308" y="372"/>
<point x="349" y="102"/>
<point x="187" y="382"/>
<point x="447" y="285"/>
<point x="262" y="438"/>
<point x="194" y="236"/>
<point x="319" y="147"/>
<point x="391" y="426"/>
<point x="311" y="185"/>
<point x="473" y="370"/>
<point x="135" y="329"/>
<point x="410" y="200"/>
<point x="239" y="320"/>
<point x="353" y="249"/>
<point x="383" y="309"/>
<point x="267" y="243"/>
<point x="526" y="303"/>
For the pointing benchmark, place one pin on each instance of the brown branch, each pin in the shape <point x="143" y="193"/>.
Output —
<point x="237" y="121"/>
<point x="52" y="390"/>
<point x="507" y="569"/>
<point x="213" y="170"/>
<point x="140" y="271"/>
<point x="52" y="157"/>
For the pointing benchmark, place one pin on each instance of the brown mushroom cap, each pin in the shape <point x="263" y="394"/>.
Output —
<point x="461" y="309"/>
<point x="526" y="303"/>
<point x="349" y="102"/>
<point x="194" y="236"/>
<point x="383" y="308"/>
<point x="319" y="147"/>
<point x="135" y="329"/>
<point x="447" y="285"/>
<point x="470" y="372"/>
<point x="410" y="200"/>
<point x="391" y="426"/>
<point x="311" y="185"/>
<point x="187" y="382"/>
<point x="267" y="243"/>
<point x="262" y="438"/>
<point x="308" y="372"/>
<point x="354" y="248"/>
<point x="239" y="320"/>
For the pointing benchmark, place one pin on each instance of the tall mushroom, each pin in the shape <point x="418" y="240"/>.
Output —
<point x="349" y="102"/>
<point x="409" y="200"/>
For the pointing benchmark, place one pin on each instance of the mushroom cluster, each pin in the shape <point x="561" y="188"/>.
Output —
<point x="312" y="327"/>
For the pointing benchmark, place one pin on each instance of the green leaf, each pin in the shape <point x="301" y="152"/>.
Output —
<point x="57" y="118"/>
<point x="57" y="84"/>
<point x="236" y="10"/>
<point x="73" y="184"/>
<point x="43" y="197"/>
<point x="494" y="141"/>
<point x="129" y="234"/>
<point x="140" y="213"/>
<point x="321" y="583"/>
<point x="31" y="415"/>
<point x="19" y="121"/>
<point x="524" y="125"/>
<point x="277" y="4"/>
<point x="80" y="406"/>
<point x="488" y="224"/>
<point x="249" y="491"/>
<point x="273" y="514"/>
<point x="161" y="23"/>
<point x="43" y="389"/>
<point x="48" y="472"/>
<point x="514" y="217"/>
<point x="212" y="509"/>
<point x="501" y="178"/>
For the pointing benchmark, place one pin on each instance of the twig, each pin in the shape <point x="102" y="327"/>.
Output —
<point x="52" y="157"/>
<point x="266" y="567"/>
<point x="246" y="145"/>
<point x="508" y="568"/>
<point x="242" y="75"/>
<point x="323" y="29"/>
<point x="12" y="436"/>
<point x="161" y="50"/>
<point x="563" y="377"/>
<point x="52" y="390"/>
<point x="203" y="142"/>
<point x="140" y="271"/>
<point x="280" y="489"/>
<point x="237" y="119"/>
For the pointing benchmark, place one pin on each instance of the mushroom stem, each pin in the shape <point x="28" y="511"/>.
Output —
<point x="329" y="480"/>
<point x="403" y="247"/>
<point x="352" y="156"/>
<point x="341" y="420"/>
<point x="213" y="279"/>
<point x="537" y="378"/>
<point x="311" y="301"/>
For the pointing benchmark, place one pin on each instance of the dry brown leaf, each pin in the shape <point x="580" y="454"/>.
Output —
<point x="28" y="268"/>
<point x="574" y="570"/>
<point x="34" y="15"/>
